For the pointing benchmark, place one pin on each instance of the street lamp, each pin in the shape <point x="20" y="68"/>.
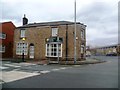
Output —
<point x="75" y="34"/>
<point x="23" y="39"/>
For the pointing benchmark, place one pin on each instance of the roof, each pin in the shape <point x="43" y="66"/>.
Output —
<point x="108" y="46"/>
<point x="5" y="22"/>
<point x="55" y="23"/>
<point x="8" y="22"/>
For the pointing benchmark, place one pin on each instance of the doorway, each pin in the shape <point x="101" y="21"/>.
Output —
<point x="31" y="54"/>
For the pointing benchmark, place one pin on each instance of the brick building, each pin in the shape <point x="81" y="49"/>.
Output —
<point x="6" y="39"/>
<point x="49" y="41"/>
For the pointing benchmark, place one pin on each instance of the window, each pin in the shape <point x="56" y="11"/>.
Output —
<point x="54" y="50"/>
<point x="82" y="48"/>
<point x="2" y="36"/>
<point x="2" y="48"/>
<point x="54" y="31"/>
<point x="21" y="48"/>
<point x="22" y="33"/>
<point x="82" y="34"/>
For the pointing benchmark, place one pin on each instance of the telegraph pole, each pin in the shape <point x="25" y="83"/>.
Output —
<point x="75" y="34"/>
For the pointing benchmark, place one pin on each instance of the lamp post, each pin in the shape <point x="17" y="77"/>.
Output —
<point x="75" y="34"/>
<point x="23" y="39"/>
<point x="58" y="48"/>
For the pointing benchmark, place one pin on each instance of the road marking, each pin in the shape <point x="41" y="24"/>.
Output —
<point x="77" y="65"/>
<point x="44" y="71"/>
<point x="16" y="75"/>
<point x="11" y="65"/>
<point x="1" y="67"/>
<point x="63" y="68"/>
<point x="27" y="64"/>
<point x="55" y="69"/>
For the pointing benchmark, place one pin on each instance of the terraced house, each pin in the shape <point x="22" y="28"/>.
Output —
<point x="50" y="41"/>
<point x="107" y="50"/>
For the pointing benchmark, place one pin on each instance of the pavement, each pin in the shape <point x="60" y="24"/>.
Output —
<point x="88" y="60"/>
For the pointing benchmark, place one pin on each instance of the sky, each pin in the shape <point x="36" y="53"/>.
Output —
<point x="100" y="16"/>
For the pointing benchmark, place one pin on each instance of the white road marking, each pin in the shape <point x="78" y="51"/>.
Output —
<point x="16" y="75"/>
<point x="77" y="65"/>
<point x="11" y="65"/>
<point x="55" y="69"/>
<point x="1" y="67"/>
<point x="44" y="71"/>
<point x="63" y="68"/>
<point x="27" y="64"/>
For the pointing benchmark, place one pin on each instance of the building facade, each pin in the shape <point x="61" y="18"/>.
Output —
<point x="106" y="50"/>
<point x="6" y="39"/>
<point x="50" y="41"/>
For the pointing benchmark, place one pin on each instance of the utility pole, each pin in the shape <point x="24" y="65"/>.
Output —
<point x="75" y="34"/>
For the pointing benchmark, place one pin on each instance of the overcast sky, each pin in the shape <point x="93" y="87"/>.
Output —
<point x="100" y="16"/>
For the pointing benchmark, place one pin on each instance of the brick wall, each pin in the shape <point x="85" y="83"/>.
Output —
<point x="37" y="36"/>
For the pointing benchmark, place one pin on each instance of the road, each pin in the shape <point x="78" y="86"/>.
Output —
<point x="102" y="75"/>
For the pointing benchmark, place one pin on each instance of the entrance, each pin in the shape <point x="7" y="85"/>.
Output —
<point x="31" y="54"/>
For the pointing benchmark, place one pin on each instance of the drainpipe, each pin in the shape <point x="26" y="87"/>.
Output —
<point x="66" y="43"/>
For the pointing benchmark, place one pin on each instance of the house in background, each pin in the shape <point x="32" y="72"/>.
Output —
<point x="49" y="41"/>
<point x="110" y="50"/>
<point x="6" y="39"/>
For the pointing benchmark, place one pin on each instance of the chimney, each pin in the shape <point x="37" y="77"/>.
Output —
<point x="25" y="20"/>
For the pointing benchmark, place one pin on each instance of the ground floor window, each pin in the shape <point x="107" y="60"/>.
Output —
<point x="2" y="48"/>
<point x="54" y="50"/>
<point x="21" y="48"/>
<point x="82" y="49"/>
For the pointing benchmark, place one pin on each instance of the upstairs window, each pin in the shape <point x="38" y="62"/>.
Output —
<point x="22" y="33"/>
<point x="82" y="34"/>
<point x="54" y="32"/>
<point x="2" y="36"/>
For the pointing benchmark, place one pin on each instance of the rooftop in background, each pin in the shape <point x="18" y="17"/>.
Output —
<point x="55" y="23"/>
<point x="107" y="46"/>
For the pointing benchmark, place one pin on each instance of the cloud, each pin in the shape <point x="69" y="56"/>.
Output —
<point x="101" y="17"/>
<point x="101" y="20"/>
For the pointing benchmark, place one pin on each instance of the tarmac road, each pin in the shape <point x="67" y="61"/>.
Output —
<point x="101" y="75"/>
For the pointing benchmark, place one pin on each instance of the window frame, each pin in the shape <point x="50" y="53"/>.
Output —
<point x="82" y="49"/>
<point x="20" y="49"/>
<point x="50" y="50"/>
<point x="2" y="35"/>
<point x="54" y="31"/>
<point x="22" y="34"/>
<point x="82" y="34"/>
<point x="2" y="48"/>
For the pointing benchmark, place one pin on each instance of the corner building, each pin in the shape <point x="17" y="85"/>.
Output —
<point x="50" y="41"/>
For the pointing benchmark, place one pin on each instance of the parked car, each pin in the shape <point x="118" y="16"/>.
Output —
<point x="111" y="54"/>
